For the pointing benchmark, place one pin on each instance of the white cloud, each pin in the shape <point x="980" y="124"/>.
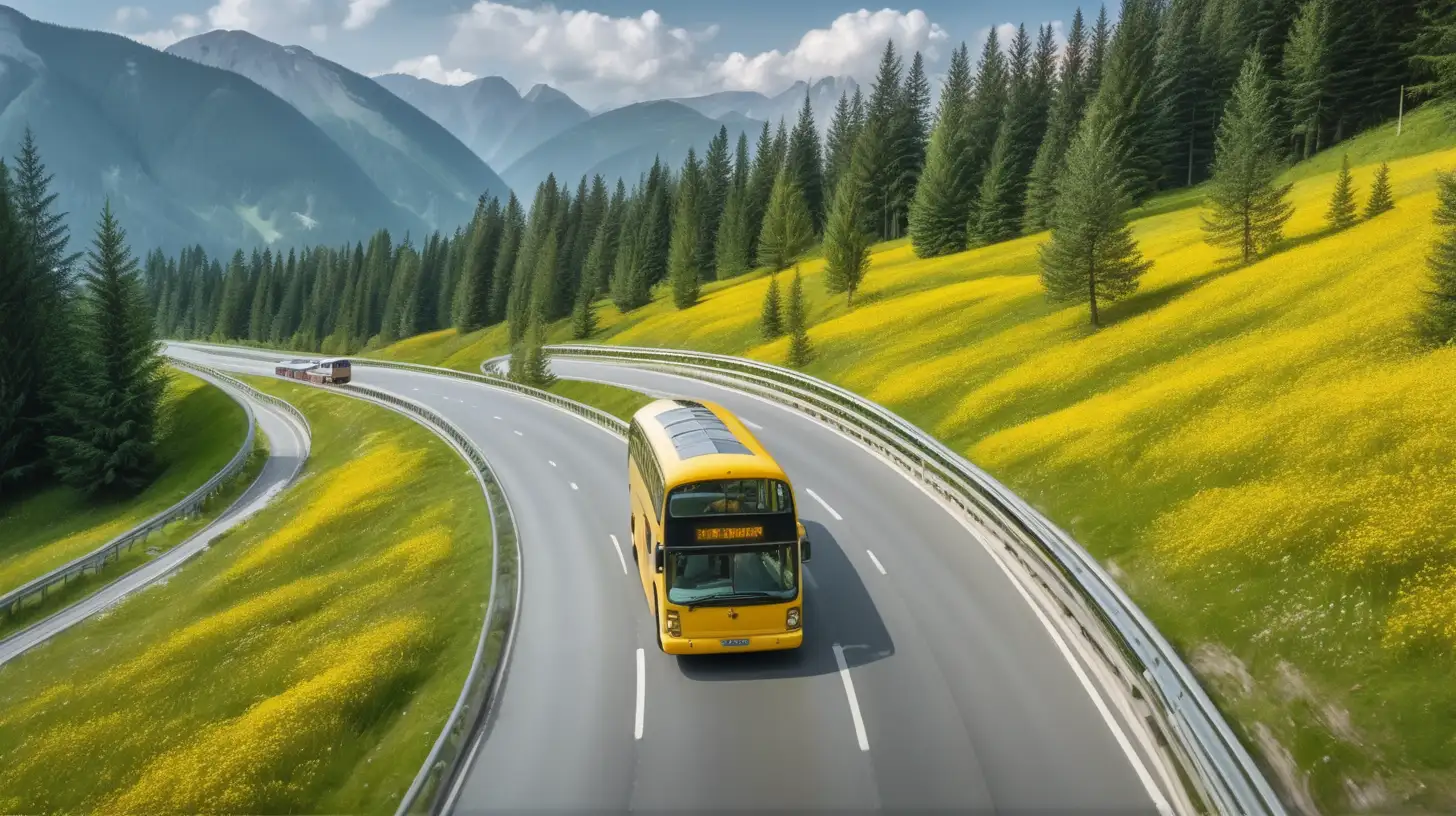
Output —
<point x="429" y="67"/>
<point x="263" y="16"/>
<point x="605" y="59"/>
<point x="362" y="13"/>
<point x="851" y="45"/>
<point x="318" y="32"/>
<point x="183" y="26"/>
<point x="130" y="14"/>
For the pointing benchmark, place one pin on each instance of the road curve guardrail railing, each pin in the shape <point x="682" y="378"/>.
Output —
<point x="190" y="505"/>
<point x="1221" y="770"/>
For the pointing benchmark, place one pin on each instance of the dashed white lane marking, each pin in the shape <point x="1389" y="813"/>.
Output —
<point x="859" y="731"/>
<point x="837" y="517"/>
<point x="517" y="433"/>
<point x="750" y="423"/>
<point x="574" y="487"/>
<point x="616" y="544"/>
<point x="878" y="565"/>
<point x="553" y="464"/>
<point x="497" y="417"/>
<point x="642" y="690"/>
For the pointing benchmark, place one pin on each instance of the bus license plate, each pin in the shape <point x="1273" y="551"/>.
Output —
<point x="735" y="642"/>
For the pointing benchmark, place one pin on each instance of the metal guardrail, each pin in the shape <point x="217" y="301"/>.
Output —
<point x="1220" y="768"/>
<point x="260" y="396"/>
<point x="190" y="505"/>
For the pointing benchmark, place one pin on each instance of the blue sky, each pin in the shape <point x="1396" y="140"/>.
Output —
<point x="601" y="51"/>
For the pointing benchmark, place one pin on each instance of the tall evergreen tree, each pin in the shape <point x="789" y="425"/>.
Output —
<point x="530" y="364"/>
<point x="686" y="233"/>
<point x="1066" y="114"/>
<point x="787" y="230"/>
<point x="1343" y="211"/>
<point x="1308" y="75"/>
<point x="1435" y="52"/>
<point x="797" y="320"/>
<point x="1186" y="92"/>
<point x="1003" y="190"/>
<point x="984" y="115"/>
<point x="1380" y="197"/>
<point x="838" y="146"/>
<point x="717" y="180"/>
<point x="1436" y="323"/>
<point x="1248" y="209"/>
<point x="879" y="147"/>
<point x="1127" y="92"/>
<point x="627" y="289"/>
<point x="846" y="246"/>
<point x="584" y="314"/>
<point x="290" y="311"/>
<point x="114" y="408"/>
<point x="941" y="207"/>
<point x="22" y="342"/>
<point x="1092" y="256"/>
<point x="760" y="189"/>
<point x="912" y="132"/>
<point x="732" y="252"/>
<point x="603" y="253"/>
<point x="770" y="319"/>
<point x="806" y="163"/>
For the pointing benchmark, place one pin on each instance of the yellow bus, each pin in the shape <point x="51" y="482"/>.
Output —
<point x="717" y="542"/>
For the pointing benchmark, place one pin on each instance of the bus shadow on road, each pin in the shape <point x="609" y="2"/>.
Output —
<point x="837" y="609"/>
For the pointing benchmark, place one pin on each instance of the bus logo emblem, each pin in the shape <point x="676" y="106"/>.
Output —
<point x="732" y="614"/>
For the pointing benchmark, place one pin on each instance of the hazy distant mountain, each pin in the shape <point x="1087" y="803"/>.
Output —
<point x="621" y="143"/>
<point x="186" y="153"/>
<point x="489" y="114"/>
<point x="410" y="157"/>
<point x="823" y="96"/>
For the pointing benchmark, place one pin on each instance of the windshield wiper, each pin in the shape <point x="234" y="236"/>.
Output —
<point x="715" y="600"/>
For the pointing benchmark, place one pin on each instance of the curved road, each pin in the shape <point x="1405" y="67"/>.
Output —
<point x="926" y="682"/>
<point x="288" y="444"/>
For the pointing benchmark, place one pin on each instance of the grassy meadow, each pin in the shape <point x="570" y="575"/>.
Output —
<point x="201" y="429"/>
<point x="303" y="663"/>
<point x="1262" y="455"/>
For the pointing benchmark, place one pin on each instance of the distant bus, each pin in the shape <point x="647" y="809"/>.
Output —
<point x="334" y="371"/>
<point x="715" y="536"/>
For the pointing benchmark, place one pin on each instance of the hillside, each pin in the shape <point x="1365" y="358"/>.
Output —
<point x="621" y="143"/>
<point x="186" y="153"/>
<point x="409" y="156"/>
<point x="489" y="115"/>
<point x="1261" y="455"/>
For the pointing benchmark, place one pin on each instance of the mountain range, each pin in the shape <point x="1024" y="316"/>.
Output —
<point x="184" y="152"/>
<point x="823" y="96"/>
<point x="489" y="115"/>
<point x="410" y="157"/>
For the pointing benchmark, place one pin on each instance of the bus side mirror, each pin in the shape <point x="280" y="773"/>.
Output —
<point x="659" y="559"/>
<point x="805" y="549"/>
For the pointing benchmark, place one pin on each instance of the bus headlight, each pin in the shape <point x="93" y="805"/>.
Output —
<point x="674" y="624"/>
<point x="792" y="619"/>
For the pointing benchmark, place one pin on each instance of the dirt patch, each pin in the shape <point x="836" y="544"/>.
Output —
<point x="1371" y="796"/>
<point x="1217" y="663"/>
<point x="1294" y="782"/>
<point x="1292" y="686"/>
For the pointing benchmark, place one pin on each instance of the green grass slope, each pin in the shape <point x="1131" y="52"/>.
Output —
<point x="1262" y="455"/>
<point x="303" y="663"/>
<point x="201" y="429"/>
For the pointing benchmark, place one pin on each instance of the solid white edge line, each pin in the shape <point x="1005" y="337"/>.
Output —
<point x="750" y="423"/>
<point x="620" y="557"/>
<point x="438" y="375"/>
<point x="641" y="691"/>
<point x="518" y="433"/>
<point x="1153" y="791"/>
<point x="553" y="464"/>
<point x="878" y="565"/>
<point x="831" y="510"/>
<point x="859" y="729"/>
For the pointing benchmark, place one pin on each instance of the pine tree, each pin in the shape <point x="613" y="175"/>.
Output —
<point x="838" y="146"/>
<point x="846" y="246"/>
<point x="22" y="338"/>
<point x="760" y="189"/>
<point x="770" y="320"/>
<point x="732" y="253"/>
<point x="787" y="230"/>
<point x="687" y="228"/>
<point x="1248" y="210"/>
<point x="1435" y="52"/>
<point x="530" y="364"/>
<point x="1003" y="190"/>
<point x="477" y="273"/>
<point x="1380" y="197"/>
<point x="806" y="163"/>
<point x="1436" y="323"/>
<point x="912" y="132"/>
<point x="1343" y="211"/>
<point x="717" y="180"/>
<point x="984" y="115"/>
<point x="800" y="352"/>
<point x="513" y="234"/>
<point x="941" y="207"/>
<point x="1097" y="48"/>
<point x="1308" y="74"/>
<point x="1066" y="114"/>
<point x="1184" y="74"/>
<point x="114" y="408"/>
<point x="1125" y="92"/>
<point x="1092" y="255"/>
<point x="584" y="314"/>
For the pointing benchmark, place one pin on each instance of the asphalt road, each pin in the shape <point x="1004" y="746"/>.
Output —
<point x="288" y="447"/>
<point x="926" y="682"/>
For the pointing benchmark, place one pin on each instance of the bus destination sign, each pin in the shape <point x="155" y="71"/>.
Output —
<point x="728" y="533"/>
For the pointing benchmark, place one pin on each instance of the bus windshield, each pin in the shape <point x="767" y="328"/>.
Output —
<point x="725" y="496"/>
<point x="763" y="572"/>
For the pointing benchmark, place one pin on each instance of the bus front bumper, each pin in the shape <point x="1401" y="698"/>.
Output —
<point x="720" y="645"/>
